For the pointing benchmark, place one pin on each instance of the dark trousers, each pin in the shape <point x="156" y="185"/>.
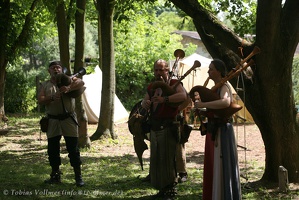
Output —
<point x="54" y="151"/>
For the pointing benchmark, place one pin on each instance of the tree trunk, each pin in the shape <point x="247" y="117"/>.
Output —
<point x="2" y="86"/>
<point x="63" y="36"/>
<point x="269" y="97"/>
<point x="272" y="94"/>
<point x="5" y="15"/>
<point x="106" y="45"/>
<point x="9" y="47"/>
<point x="84" y="140"/>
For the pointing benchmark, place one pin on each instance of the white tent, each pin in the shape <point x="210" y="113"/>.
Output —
<point x="92" y="99"/>
<point x="200" y="75"/>
<point x="197" y="76"/>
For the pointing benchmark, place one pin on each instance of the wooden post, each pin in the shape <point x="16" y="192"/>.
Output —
<point x="283" y="179"/>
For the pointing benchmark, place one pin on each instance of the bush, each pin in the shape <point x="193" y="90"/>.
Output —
<point x="19" y="93"/>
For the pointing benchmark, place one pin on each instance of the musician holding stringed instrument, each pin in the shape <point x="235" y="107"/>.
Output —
<point x="221" y="169"/>
<point x="164" y="131"/>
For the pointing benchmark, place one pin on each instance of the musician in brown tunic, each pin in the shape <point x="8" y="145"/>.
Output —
<point x="164" y="131"/>
<point x="60" y="109"/>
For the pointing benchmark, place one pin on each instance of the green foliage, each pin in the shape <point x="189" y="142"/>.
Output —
<point x="20" y="93"/>
<point x="13" y="16"/>
<point x="91" y="49"/>
<point x="43" y="49"/>
<point x="176" y="21"/>
<point x="142" y="35"/>
<point x="240" y="13"/>
<point x="295" y="78"/>
<point x="138" y="44"/>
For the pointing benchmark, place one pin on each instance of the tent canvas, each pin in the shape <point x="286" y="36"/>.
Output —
<point x="92" y="99"/>
<point x="199" y="76"/>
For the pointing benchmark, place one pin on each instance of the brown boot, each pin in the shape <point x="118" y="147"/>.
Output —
<point x="78" y="176"/>
<point x="55" y="177"/>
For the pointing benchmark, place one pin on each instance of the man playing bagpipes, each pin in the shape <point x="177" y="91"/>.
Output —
<point x="164" y="129"/>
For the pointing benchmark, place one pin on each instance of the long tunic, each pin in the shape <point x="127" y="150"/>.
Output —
<point x="221" y="168"/>
<point x="162" y="160"/>
<point x="163" y="145"/>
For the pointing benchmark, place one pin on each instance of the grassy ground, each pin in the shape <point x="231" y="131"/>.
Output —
<point x="110" y="170"/>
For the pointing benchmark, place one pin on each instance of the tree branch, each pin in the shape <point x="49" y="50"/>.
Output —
<point x="25" y="33"/>
<point x="211" y="24"/>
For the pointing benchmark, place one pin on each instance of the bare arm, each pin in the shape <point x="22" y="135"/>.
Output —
<point x="179" y="96"/>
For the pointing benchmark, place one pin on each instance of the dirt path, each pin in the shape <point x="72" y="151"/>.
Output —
<point x="248" y="138"/>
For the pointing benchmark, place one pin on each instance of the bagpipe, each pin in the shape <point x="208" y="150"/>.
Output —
<point x="168" y="90"/>
<point x="207" y="94"/>
<point x="64" y="80"/>
<point x="138" y="118"/>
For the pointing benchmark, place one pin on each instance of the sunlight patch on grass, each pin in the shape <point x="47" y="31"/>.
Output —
<point x="109" y="170"/>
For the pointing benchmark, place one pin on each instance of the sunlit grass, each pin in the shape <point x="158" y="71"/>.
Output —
<point x="109" y="172"/>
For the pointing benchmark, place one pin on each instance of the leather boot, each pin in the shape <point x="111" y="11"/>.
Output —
<point x="78" y="176"/>
<point x="55" y="177"/>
